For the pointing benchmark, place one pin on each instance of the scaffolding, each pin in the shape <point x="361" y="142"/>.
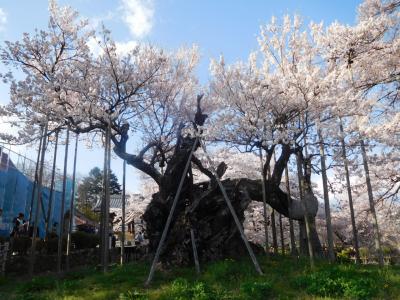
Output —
<point x="17" y="176"/>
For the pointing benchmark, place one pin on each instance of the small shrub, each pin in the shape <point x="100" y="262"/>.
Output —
<point x="38" y="284"/>
<point x="183" y="290"/>
<point x="256" y="290"/>
<point x="83" y="240"/>
<point x="228" y="270"/>
<point x="132" y="295"/>
<point x="345" y="255"/>
<point x="337" y="283"/>
<point x="50" y="246"/>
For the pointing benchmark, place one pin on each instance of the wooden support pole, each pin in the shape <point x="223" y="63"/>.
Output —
<point x="194" y="248"/>
<point x="123" y="213"/>
<point x="274" y="236"/>
<point x="293" y="249"/>
<point x="349" y="193"/>
<point x="375" y="224"/>
<point x="265" y="208"/>
<point x="32" y="253"/>
<point x="35" y="177"/>
<point x="64" y="187"/>
<point x="329" y="232"/>
<point x="305" y="208"/>
<point x="51" y="195"/>
<point x="71" y="206"/>
<point x="281" y="234"/>
<point x="171" y="212"/>
<point x="232" y="210"/>
<point x="107" y="199"/>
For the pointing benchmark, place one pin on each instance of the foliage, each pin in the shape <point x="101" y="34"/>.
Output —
<point x="183" y="290"/>
<point x="83" y="240"/>
<point x="91" y="188"/>
<point x="38" y="284"/>
<point x="345" y="255"/>
<point x="342" y="282"/>
<point x="132" y="295"/>
<point x="284" y="278"/>
<point x="256" y="290"/>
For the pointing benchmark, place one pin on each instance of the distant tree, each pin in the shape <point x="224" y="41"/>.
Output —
<point x="91" y="188"/>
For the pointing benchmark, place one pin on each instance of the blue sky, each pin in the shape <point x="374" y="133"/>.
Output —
<point x="217" y="27"/>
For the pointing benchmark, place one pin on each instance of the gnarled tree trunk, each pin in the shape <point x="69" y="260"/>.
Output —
<point x="202" y="207"/>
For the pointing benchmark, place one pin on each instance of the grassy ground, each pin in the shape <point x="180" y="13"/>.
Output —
<point x="285" y="278"/>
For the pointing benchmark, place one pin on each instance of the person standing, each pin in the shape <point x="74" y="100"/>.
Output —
<point x="19" y="225"/>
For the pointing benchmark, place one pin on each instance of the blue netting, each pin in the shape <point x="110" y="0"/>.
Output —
<point x="16" y="197"/>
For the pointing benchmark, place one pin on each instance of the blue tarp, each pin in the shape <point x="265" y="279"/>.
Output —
<point x="16" y="196"/>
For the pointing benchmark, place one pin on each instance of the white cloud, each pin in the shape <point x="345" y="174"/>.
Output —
<point x="3" y="19"/>
<point x="94" y="46"/>
<point x="125" y="47"/>
<point x="138" y="16"/>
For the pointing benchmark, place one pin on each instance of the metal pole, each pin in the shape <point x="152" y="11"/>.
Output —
<point x="53" y="173"/>
<point x="39" y="196"/>
<point x="265" y="209"/>
<point x="171" y="212"/>
<point x="71" y="206"/>
<point x="123" y="213"/>
<point x="232" y="210"/>
<point x="64" y="187"/>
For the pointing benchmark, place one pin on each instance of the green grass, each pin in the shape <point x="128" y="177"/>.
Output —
<point x="285" y="278"/>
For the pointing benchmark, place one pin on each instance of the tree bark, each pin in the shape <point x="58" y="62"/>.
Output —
<point x="217" y="235"/>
